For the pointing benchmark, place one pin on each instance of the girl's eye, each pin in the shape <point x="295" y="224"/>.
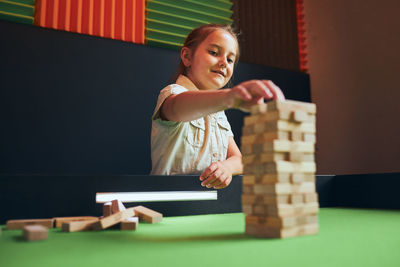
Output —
<point x="230" y="60"/>
<point x="212" y="52"/>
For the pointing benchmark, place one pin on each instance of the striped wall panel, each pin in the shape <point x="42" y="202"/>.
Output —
<point x="115" y="19"/>
<point x="268" y="32"/>
<point x="169" y="21"/>
<point x="301" y="35"/>
<point x="17" y="10"/>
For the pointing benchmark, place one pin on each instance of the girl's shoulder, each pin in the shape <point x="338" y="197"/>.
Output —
<point x="174" y="89"/>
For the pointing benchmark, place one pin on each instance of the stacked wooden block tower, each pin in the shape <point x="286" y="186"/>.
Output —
<point x="279" y="197"/>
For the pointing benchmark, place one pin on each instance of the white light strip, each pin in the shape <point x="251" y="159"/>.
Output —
<point x="127" y="197"/>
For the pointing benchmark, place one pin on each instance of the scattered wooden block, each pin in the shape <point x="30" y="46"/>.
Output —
<point x="130" y="224"/>
<point x="19" y="224"/>
<point x="113" y="219"/>
<point x="60" y="220"/>
<point x="76" y="226"/>
<point x="107" y="211"/>
<point x="148" y="215"/>
<point x="35" y="232"/>
<point x="117" y="206"/>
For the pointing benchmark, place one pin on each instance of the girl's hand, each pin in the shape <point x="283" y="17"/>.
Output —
<point x="254" y="92"/>
<point x="217" y="175"/>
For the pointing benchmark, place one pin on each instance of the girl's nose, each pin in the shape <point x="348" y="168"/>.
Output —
<point x="223" y="62"/>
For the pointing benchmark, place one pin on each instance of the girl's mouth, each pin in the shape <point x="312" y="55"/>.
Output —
<point x="219" y="72"/>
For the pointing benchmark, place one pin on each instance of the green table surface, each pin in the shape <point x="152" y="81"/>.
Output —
<point x="347" y="237"/>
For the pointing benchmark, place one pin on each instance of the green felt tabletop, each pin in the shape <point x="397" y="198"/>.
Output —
<point x="347" y="237"/>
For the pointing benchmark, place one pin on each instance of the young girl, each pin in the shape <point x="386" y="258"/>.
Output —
<point x="190" y="132"/>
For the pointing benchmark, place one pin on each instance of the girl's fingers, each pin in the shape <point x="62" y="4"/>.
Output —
<point x="224" y="183"/>
<point x="212" y="178"/>
<point x="275" y="90"/>
<point x="212" y="168"/>
<point x="258" y="88"/>
<point x="219" y="179"/>
<point x="243" y="93"/>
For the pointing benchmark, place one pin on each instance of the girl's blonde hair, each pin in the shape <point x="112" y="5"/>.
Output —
<point x="198" y="35"/>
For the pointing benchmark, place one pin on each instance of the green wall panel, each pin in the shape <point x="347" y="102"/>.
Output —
<point x="17" y="10"/>
<point x="169" y="21"/>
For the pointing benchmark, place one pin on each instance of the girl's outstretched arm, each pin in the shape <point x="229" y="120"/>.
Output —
<point x="192" y="105"/>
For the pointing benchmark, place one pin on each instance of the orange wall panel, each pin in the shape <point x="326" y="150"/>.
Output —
<point x="115" y="19"/>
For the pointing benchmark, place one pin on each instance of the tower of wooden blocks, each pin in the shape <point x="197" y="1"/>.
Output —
<point x="279" y="197"/>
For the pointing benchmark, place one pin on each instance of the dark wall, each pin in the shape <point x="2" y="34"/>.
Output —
<point x="268" y="32"/>
<point x="77" y="104"/>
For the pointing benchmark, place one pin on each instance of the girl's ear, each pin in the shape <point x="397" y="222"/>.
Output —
<point x="186" y="56"/>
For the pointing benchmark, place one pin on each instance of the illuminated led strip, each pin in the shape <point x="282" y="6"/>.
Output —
<point x="127" y="197"/>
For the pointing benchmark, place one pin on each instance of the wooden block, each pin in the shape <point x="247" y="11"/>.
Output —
<point x="292" y="105"/>
<point x="113" y="219"/>
<point x="307" y="219"/>
<point x="35" y="232"/>
<point x="300" y="156"/>
<point x="60" y="220"/>
<point x="309" y="208"/>
<point x="248" y="130"/>
<point x="274" y="210"/>
<point x="261" y="138"/>
<point x="257" y="109"/>
<point x="299" y="177"/>
<point x="277" y="232"/>
<point x="296" y="198"/>
<point x="265" y="157"/>
<point x="248" y="189"/>
<point x="296" y="136"/>
<point x="19" y="224"/>
<point x="309" y="137"/>
<point x="304" y="187"/>
<point x="249" y="179"/>
<point x="130" y="224"/>
<point x="247" y="209"/>
<point x="305" y="127"/>
<point x="281" y="222"/>
<point x="305" y="147"/>
<point x="76" y="226"/>
<point x="310" y="197"/>
<point x="287" y="146"/>
<point x="148" y="215"/>
<point x="117" y="206"/>
<point x="269" y="116"/>
<point x="107" y="210"/>
<point x="246" y="149"/>
<point x="265" y="199"/>
<point x="299" y="116"/>
<point x="273" y="189"/>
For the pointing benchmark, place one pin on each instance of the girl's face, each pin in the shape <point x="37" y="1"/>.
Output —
<point x="211" y="66"/>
